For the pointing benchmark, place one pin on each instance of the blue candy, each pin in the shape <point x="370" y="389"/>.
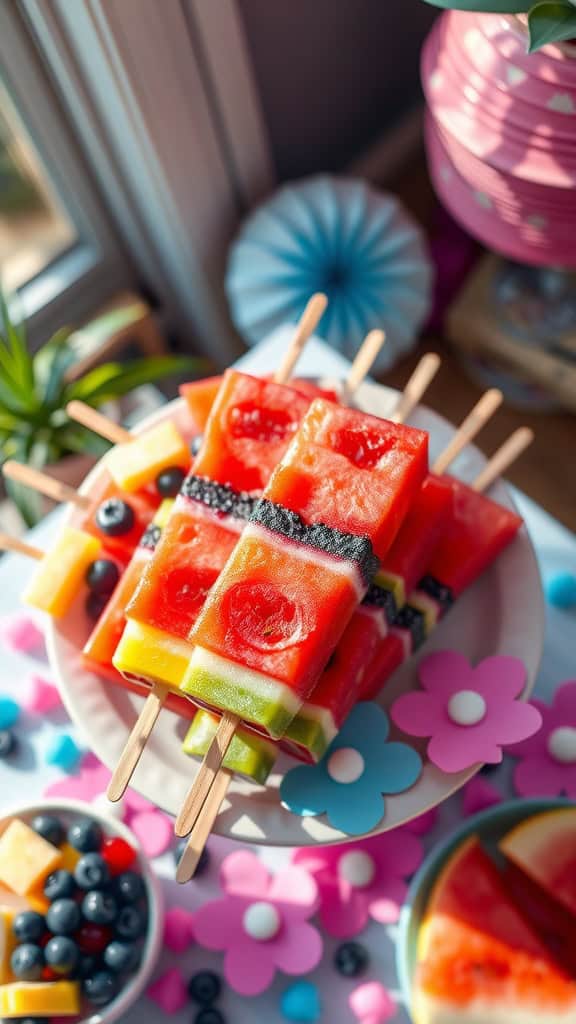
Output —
<point x="561" y="590"/>
<point x="9" y="712"/>
<point x="64" y="753"/>
<point x="301" y="1002"/>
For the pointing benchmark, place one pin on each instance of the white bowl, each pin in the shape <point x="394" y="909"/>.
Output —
<point x="503" y="613"/>
<point x="136" y="983"/>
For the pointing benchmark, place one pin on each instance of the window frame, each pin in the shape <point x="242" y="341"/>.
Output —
<point x="75" y="282"/>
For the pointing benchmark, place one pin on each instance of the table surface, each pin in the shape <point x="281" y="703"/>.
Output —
<point x="28" y="775"/>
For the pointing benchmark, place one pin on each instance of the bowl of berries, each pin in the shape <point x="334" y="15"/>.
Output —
<point x="80" y="915"/>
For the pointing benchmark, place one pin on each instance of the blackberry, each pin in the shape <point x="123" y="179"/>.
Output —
<point x="413" y="620"/>
<point x="381" y="597"/>
<point x="443" y="595"/>
<point x="150" y="537"/>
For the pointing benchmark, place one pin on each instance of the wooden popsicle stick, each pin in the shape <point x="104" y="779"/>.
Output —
<point x="136" y="742"/>
<point x="205" y="781"/>
<point x="469" y="428"/>
<point x="203" y="827"/>
<point x="363" y="363"/>
<point x="43" y="483"/>
<point x="503" y="458"/>
<point x="99" y="424"/>
<point x="416" y="387"/>
<point x="306" y="326"/>
<point x="20" y="547"/>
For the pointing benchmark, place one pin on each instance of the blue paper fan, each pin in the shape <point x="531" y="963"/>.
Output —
<point x="342" y="237"/>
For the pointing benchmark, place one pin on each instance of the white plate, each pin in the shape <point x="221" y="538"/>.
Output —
<point x="502" y="614"/>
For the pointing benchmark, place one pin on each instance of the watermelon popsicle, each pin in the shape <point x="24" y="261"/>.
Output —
<point x="478" y="530"/>
<point x="201" y="494"/>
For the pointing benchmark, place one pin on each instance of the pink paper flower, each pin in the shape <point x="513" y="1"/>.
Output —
<point x="261" y="923"/>
<point x="151" y="826"/>
<point x="468" y="713"/>
<point x="362" y="880"/>
<point x="547" y="761"/>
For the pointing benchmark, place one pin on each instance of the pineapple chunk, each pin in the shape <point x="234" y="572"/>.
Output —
<point x="40" y="999"/>
<point x="137" y="463"/>
<point x="26" y="859"/>
<point x="60" y="575"/>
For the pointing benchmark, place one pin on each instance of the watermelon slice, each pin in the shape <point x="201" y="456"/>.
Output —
<point x="544" y="848"/>
<point x="200" y="394"/>
<point x="478" y="531"/>
<point x="478" y="959"/>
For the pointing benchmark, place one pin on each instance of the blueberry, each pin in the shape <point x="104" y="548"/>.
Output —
<point x="62" y="954"/>
<point x="49" y="827"/>
<point x="28" y="926"/>
<point x="115" y="517"/>
<point x="351" y="959"/>
<point x="60" y="885"/>
<point x="92" y="872"/>
<point x="8" y="743"/>
<point x="95" y="605"/>
<point x="27" y="962"/>
<point x="121" y="957"/>
<point x="202" y="863"/>
<point x="99" y="907"/>
<point x="100" y="988"/>
<point x="32" y="1020"/>
<point x="86" y="965"/>
<point x="63" y="917"/>
<point x="129" y="887"/>
<point x="102" y="576"/>
<point x="169" y="481"/>
<point x="131" y="923"/>
<point x="85" y="835"/>
<point x="209" y="1015"/>
<point x="204" y="987"/>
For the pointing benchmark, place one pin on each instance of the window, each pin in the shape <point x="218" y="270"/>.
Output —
<point x="34" y="227"/>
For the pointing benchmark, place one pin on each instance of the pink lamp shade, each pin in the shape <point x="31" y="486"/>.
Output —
<point x="501" y="136"/>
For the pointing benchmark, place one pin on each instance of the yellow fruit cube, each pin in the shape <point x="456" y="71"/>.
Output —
<point x="60" y="575"/>
<point x="40" y="999"/>
<point x="7" y="942"/>
<point x="151" y="655"/>
<point x="70" y="858"/>
<point x="137" y="463"/>
<point x="26" y="859"/>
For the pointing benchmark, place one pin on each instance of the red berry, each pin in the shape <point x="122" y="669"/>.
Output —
<point x="93" y="938"/>
<point x="49" y="975"/>
<point x="118" y="854"/>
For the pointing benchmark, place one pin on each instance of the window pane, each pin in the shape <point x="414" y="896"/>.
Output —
<point x="34" y="227"/>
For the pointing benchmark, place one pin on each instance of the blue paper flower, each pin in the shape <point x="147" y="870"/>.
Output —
<point x="358" y="767"/>
<point x="342" y="237"/>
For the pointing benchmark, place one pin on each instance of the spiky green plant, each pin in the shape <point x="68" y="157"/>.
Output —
<point x="549" y="21"/>
<point x="35" y="389"/>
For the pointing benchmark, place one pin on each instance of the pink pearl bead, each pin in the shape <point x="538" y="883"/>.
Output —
<point x="371" y="1003"/>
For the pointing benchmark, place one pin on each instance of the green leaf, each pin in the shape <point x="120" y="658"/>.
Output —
<point x="493" y="6"/>
<point x="72" y="438"/>
<point x="551" y="22"/>
<point x="50" y="365"/>
<point x="15" y="344"/>
<point x="112" y="380"/>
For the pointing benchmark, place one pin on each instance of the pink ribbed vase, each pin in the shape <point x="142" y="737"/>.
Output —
<point x="501" y="136"/>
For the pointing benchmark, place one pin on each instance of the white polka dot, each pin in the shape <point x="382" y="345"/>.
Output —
<point x="346" y="765"/>
<point x="562" y="103"/>
<point x="514" y="75"/>
<point x="357" y="868"/>
<point x="483" y="200"/>
<point x="261" y="921"/>
<point x="466" y="707"/>
<point x="562" y="744"/>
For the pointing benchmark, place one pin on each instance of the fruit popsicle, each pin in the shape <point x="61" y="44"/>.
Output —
<point x="249" y="429"/>
<point x="477" y="531"/>
<point x="323" y="714"/>
<point x="249" y="754"/>
<point x="303" y="564"/>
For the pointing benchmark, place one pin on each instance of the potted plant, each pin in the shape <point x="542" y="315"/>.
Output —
<point x="546" y="21"/>
<point x="34" y="391"/>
